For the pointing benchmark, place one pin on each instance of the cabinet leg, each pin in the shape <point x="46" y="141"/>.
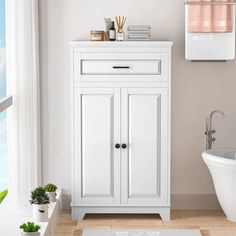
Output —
<point x="81" y="215"/>
<point x="165" y="214"/>
<point x="77" y="214"/>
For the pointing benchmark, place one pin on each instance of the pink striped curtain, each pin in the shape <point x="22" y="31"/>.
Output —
<point x="210" y="18"/>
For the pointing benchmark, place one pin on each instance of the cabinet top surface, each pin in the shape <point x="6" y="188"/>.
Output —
<point x="166" y="44"/>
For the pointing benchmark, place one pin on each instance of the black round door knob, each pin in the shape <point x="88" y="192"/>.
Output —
<point x="124" y="146"/>
<point x="117" y="146"/>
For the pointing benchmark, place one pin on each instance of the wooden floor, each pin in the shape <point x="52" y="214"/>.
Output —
<point x="211" y="223"/>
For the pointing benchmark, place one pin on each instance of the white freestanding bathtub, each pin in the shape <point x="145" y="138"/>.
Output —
<point x="222" y="166"/>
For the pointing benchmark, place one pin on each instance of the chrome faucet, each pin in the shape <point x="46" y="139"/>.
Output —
<point x="209" y="131"/>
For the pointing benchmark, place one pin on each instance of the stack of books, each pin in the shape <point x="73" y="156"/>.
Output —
<point x="138" y="32"/>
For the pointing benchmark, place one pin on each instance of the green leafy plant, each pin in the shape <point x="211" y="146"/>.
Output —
<point x="30" y="227"/>
<point x="39" y="196"/>
<point x="3" y="194"/>
<point x="50" y="188"/>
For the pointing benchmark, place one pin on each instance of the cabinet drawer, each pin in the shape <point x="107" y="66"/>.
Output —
<point x="121" y="67"/>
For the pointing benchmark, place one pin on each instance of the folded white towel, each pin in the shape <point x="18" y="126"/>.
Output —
<point x="139" y="28"/>
<point x="139" y="37"/>
<point x="139" y="32"/>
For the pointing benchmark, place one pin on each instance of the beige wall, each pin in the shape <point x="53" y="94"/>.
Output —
<point x="197" y="88"/>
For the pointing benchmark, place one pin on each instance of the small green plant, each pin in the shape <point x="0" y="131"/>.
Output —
<point x="30" y="227"/>
<point x="39" y="196"/>
<point x="50" y="188"/>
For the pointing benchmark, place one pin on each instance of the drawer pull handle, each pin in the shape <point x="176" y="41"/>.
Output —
<point x="121" y="67"/>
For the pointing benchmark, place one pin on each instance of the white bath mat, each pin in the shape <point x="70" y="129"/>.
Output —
<point x="143" y="232"/>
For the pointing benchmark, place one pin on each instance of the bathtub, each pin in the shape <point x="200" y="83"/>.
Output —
<point x="222" y="166"/>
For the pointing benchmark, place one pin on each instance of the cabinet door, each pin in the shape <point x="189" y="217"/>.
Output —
<point x="97" y="161"/>
<point x="144" y="163"/>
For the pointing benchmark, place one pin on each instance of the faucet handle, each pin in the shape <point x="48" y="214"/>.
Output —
<point x="209" y="132"/>
<point x="212" y="140"/>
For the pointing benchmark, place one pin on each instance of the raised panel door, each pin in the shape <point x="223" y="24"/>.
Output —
<point x="96" y="130"/>
<point x="144" y="162"/>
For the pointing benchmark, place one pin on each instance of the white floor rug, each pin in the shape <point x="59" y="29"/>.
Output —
<point x="143" y="232"/>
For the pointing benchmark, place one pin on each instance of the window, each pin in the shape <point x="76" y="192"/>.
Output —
<point x="3" y="115"/>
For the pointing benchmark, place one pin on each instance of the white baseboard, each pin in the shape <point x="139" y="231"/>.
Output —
<point x="195" y="202"/>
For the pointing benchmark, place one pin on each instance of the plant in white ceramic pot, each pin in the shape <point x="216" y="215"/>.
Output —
<point x="30" y="228"/>
<point x="51" y="192"/>
<point x="40" y="201"/>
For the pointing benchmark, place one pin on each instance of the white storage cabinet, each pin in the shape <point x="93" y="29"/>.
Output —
<point x="121" y="127"/>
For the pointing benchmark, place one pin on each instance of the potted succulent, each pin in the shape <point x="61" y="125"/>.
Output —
<point x="30" y="228"/>
<point x="51" y="192"/>
<point x="40" y="201"/>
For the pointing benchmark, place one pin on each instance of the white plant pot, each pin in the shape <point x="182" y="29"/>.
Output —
<point x="52" y="196"/>
<point x="40" y="213"/>
<point x="27" y="233"/>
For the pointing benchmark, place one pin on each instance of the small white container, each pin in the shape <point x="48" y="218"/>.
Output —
<point x="40" y="213"/>
<point x="52" y="196"/>
<point x="29" y="234"/>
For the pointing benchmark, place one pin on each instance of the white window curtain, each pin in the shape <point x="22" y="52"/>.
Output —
<point x="23" y="83"/>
